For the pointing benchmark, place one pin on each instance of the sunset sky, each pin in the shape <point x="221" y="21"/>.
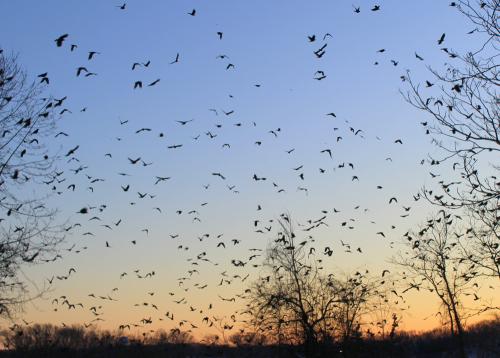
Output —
<point x="270" y="87"/>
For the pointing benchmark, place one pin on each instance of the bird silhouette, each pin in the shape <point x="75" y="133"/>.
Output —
<point x="154" y="82"/>
<point x="176" y="59"/>
<point x="81" y="69"/>
<point x="60" y="40"/>
<point x="72" y="151"/>
<point x="441" y="39"/>
<point x="219" y="175"/>
<point x="183" y="123"/>
<point x="134" y="161"/>
<point x="92" y="54"/>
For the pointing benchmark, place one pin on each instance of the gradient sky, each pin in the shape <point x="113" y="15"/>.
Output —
<point x="267" y="43"/>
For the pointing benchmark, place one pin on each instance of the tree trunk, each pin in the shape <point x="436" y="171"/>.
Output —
<point x="460" y="335"/>
<point x="456" y="316"/>
<point x="310" y="343"/>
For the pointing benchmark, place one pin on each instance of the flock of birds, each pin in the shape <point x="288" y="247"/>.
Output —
<point x="239" y="270"/>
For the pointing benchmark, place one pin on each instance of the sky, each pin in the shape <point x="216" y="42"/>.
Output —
<point x="267" y="43"/>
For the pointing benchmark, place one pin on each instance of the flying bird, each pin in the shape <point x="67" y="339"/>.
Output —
<point x="72" y="151"/>
<point x="59" y="41"/>
<point x="134" y="161"/>
<point x="219" y="175"/>
<point x="92" y="54"/>
<point x="81" y="69"/>
<point x="154" y="82"/>
<point x="176" y="59"/>
<point x="329" y="151"/>
<point x="183" y="123"/>
<point x="441" y="39"/>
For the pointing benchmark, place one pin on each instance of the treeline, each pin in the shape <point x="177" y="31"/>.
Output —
<point x="78" y="337"/>
<point x="46" y="340"/>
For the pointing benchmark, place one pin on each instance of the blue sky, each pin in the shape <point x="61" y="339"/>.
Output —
<point x="267" y="43"/>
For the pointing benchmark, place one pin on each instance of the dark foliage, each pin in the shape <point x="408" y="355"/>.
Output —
<point x="483" y="340"/>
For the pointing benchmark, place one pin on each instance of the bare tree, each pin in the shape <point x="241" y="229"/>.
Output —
<point x="480" y="241"/>
<point x="363" y="300"/>
<point x="27" y="227"/>
<point x="433" y="261"/>
<point x="243" y="338"/>
<point x="221" y="325"/>
<point x="173" y="336"/>
<point x="294" y="302"/>
<point x="464" y="103"/>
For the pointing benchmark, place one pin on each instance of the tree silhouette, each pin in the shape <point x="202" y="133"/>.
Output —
<point x="463" y="104"/>
<point x="295" y="300"/>
<point x="362" y="301"/>
<point x="481" y="241"/>
<point x="27" y="230"/>
<point x="433" y="261"/>
<point x="296" y="303"/>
